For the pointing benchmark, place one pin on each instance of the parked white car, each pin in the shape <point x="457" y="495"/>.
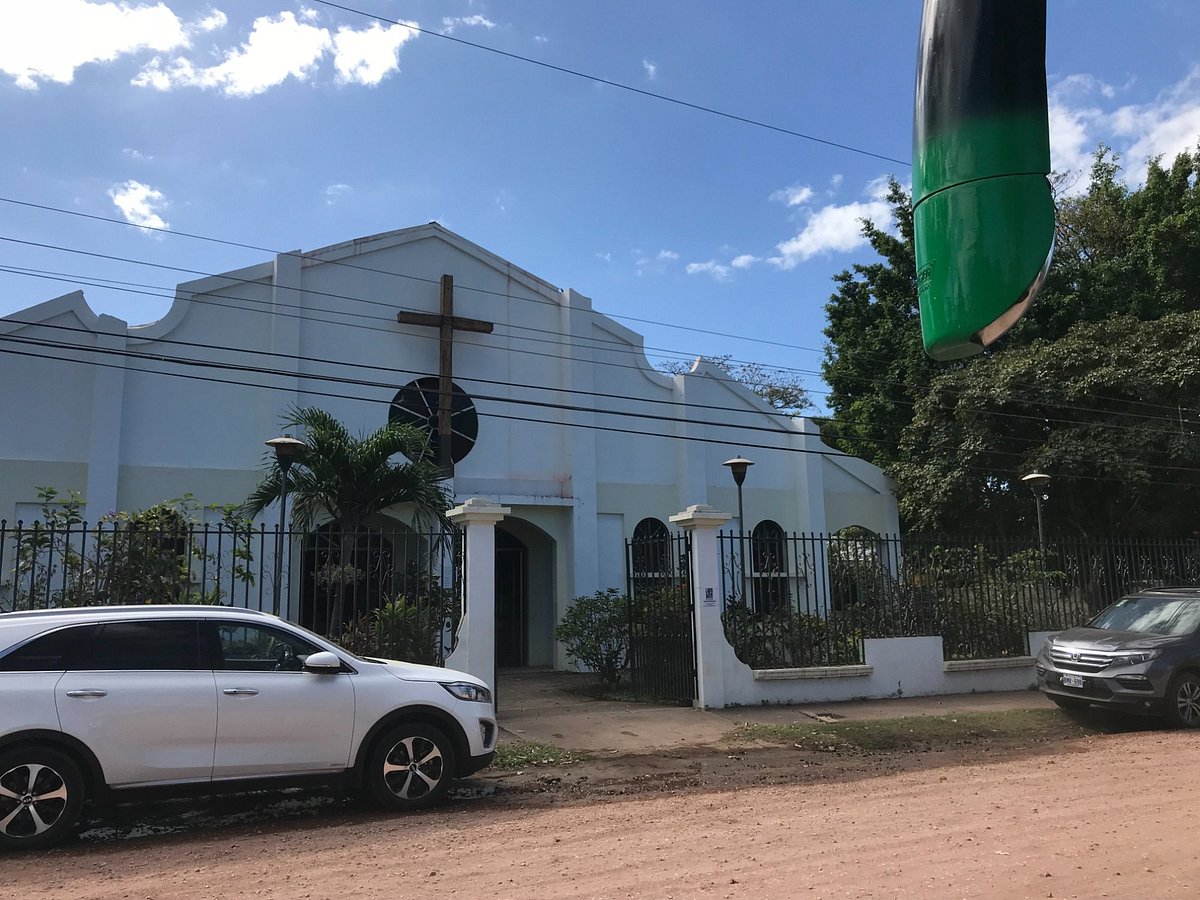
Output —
<point x="99" y="704"/>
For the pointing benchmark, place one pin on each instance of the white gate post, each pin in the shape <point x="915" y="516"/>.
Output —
<point x="475" y="652"/>
<point x="711" y="646"/>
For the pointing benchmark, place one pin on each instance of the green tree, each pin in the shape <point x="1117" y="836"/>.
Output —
<point x="349" y="478"/>
<point x="1056" y="393"/>
<point x="875" y="364"/>
<point x="1109" y="409"/>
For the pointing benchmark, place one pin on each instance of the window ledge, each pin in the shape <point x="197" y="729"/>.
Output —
<point x="982" y="665"/>
<point x="814" y="672"/>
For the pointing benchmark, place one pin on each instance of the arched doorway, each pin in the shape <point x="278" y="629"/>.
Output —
<point x="525" y="568"/>
<point x="512" y="601"/>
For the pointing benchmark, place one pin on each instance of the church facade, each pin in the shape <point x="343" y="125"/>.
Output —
<point x="557" y="413"/>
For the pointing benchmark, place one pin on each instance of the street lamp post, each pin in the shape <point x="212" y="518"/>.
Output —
<point x="285" y="448"/>
<point x="1037" y="482"/>
<point x="737" y="467"/>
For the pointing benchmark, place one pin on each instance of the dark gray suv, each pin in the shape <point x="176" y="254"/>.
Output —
<point x="1142" y="655"/>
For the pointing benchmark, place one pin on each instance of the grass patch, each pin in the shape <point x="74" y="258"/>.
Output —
<point x="936" y="732"/>
<point x="527" y="754"/>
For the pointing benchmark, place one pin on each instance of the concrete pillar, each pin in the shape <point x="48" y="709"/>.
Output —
<point x="711" y="646"/>
<point x="104" y="437"/>
<point x="475" y="652"/>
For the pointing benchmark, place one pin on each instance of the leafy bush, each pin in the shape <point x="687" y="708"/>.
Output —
<point x="404" y="629"/>
<point x="786" y="638"/>
<point x="595" y="632"/>
<point x="143" y="557"/>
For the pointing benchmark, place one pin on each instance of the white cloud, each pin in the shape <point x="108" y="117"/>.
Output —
<point x="836" y="228"/>
<point x="795" y="195"/>
<point x="287" y="46"/>
<point x="744" y="261"/>
<point x="137" y="155"/>
<point x="667" y="256"/>
<point x="450" y="24"/>
<point x="540" y="39"/>
<point x="604" y="257"/>
<point x="716" y="270"/>
<point x="214" y="21"/>
<point x="368" y="56"/>
<point x="651" y="69"/>
<point x="335" y="192"/>
<point x="1165" y="126"/>
<point x="48" y="40"/>
<point x="278" y="48"/>
<point x="139" y="203"/>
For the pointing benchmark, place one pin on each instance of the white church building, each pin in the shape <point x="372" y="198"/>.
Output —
<point x="561" y="418"/>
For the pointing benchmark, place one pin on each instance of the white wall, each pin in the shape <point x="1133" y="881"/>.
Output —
<point x="894" y="667"/>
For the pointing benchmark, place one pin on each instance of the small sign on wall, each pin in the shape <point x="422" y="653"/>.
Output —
<point x="709" y="598"/>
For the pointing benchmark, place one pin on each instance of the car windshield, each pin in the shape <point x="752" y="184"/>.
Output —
<point x="1150" y="615"/>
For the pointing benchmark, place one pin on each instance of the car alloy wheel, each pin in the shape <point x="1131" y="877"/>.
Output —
<point x="41" y="795"/>
<point x="411" y="767"/>
<point x="1184" y="701"/>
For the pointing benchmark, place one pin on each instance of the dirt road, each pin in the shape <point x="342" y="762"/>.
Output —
<point x="1108" y="816"/>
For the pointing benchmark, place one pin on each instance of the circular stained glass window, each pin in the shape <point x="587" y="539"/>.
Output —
<point x="417" y="404"/>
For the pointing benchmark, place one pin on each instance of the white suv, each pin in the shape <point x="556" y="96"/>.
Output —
<point x="100" y="703"/>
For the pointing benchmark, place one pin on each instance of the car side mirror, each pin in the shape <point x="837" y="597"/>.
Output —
<point x="323" y="663"/>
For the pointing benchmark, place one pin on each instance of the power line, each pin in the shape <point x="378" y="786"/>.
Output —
<point x="564" y="407"/>
<point x="558" y="341"/>
<point x="507" y="296"/>
<point x="575" y="73"/>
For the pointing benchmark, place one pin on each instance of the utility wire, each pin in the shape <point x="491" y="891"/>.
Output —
<point x="558" y="340"/>
<point x="342" y="380"/>
<point x="657" y="350"/>
<point x="575" y="73"/>
<point x="586" y="426"/>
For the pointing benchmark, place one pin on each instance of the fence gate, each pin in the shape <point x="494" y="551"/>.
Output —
<point x="662" y="642"/>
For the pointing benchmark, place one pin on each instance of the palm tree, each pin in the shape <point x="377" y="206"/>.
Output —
<point x="350" y="478"/>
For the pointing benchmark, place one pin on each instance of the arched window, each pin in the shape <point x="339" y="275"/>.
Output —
<point x="650" y="554"/>
<point x="769" y="562"/>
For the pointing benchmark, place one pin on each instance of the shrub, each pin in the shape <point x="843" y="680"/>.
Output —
<point x="408" y="630"/>
<point x="595" y="632"/>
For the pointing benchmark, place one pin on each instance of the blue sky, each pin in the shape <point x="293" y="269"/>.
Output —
<point x="292" y="125"/>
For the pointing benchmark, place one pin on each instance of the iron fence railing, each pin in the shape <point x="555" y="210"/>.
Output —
<point x="394" y="592"/>
<point x="811" y="599"/>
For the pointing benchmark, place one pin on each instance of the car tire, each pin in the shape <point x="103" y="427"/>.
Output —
<point x="410" y="767"/>
<point x="1183" y="700"/>
<point x="41" y="797"/>
<point x="1073" y="704"/>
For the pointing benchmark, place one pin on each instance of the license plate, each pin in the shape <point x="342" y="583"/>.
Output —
<point x="1075" y="681"/>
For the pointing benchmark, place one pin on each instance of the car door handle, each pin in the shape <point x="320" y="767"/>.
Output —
<point x="239" y="692"/>
<point x="87" y="694"/>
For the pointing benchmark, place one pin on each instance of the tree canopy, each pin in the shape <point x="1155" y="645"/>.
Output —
<point x="780" y="388"/>
<point x="1097" y="386"/>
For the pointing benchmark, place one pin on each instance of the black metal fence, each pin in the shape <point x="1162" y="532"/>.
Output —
<point x="662" y="647"/>
<point x="811" y="599"/>
<point x="393" y="592"/>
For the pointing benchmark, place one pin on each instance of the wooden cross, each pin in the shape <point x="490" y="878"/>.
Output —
<point x="446" y="323"/>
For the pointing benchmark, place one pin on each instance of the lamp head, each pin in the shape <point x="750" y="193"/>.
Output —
<point x="286" y="448"/>
<point x="738" y="466"/>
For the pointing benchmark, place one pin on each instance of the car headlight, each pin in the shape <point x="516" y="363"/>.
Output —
<point x="466" y="691"/>
<point x="1135" y="657"/>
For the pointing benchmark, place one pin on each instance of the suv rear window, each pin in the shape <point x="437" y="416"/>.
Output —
<point x="47" y="653"/>
<point x="159" y="645"/>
